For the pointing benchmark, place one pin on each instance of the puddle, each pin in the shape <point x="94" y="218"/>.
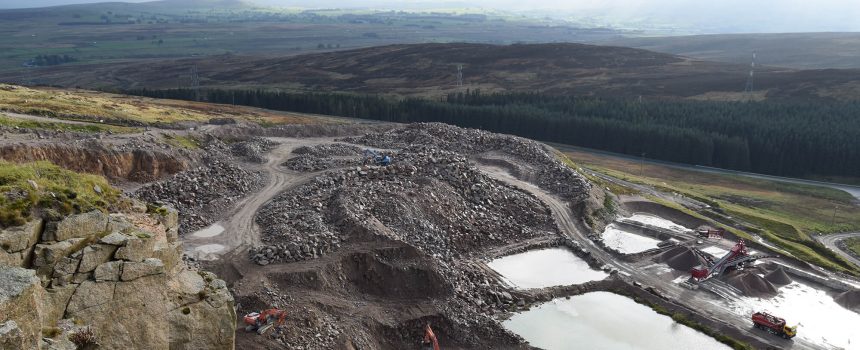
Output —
<point x="626" y="242"/>
<point x="821" y="320"/>
<point x="211" y="231"/>
<point x="603" y="320"/>
<point x="658" y="221"/>
<point x="209" y="248"/>
<point x="545" y="268"/>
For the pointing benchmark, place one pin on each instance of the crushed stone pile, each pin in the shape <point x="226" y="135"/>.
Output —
<point x="329" y="150"/>
<point x="553" y="175"/>
<point x="751" y="284"/>
<point x="253" y="150"/>
<point x="778" y="277"/>
<point x="850" y="300"/>
<point x="680" y="258"/>
<point x="202" y="194"/>
<point x="431" y="199"/>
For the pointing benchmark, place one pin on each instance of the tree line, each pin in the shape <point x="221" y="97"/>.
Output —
<point x="780" y="138"/>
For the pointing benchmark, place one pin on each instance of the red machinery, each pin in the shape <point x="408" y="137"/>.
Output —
<point x="262" y="321"/>
<point x="430" y="341"/>
<point x="736" y="258"/>
<point x="773" y="324"/>
<point x="708" y="233"/>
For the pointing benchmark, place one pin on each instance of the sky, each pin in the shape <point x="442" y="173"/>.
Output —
<point x="711" y="16"/>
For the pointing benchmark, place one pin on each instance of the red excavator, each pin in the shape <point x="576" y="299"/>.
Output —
<point x="264" y="320"/>
<point x="430" y="341"/>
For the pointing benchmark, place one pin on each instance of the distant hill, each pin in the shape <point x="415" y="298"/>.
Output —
<point x="792" y="50"/>
<point x="431" y="69"/>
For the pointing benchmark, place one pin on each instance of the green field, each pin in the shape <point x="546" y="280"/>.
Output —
<point x="785" y="214"/>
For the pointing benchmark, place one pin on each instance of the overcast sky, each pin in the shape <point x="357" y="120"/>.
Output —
<point x="707" y="15"/>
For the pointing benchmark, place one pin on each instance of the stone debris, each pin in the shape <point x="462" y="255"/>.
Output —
<point x="551" y="173"/>
<point x="203" y="194"/>
<point x="324" y="157"/>
<point x="253" y="150"/>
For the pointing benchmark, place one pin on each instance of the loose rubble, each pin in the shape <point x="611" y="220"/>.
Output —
<point x="203" y="194"/>
<point x="253" y="150"/>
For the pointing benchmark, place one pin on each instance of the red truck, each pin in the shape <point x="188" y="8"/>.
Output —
<point x="774" y="325"/>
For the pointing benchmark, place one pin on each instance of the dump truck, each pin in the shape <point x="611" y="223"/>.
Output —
<point x="774" y="325"/>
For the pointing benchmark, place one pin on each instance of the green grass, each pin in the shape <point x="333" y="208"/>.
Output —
<point x="182" y="141"/>
<point x="57" y="190"/>
<point x="86" y="128"/>
<point x="853" y="245"/>
<point x="785" y="214"/>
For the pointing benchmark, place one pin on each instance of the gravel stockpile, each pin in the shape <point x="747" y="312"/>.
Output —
<point x="329" y="150"/>
<point x="253" y="150"/>
<point x="552" y="174"/>
<point x="778" y="277"/>
<point x="680" y="258"/>
<point x="850" y="300"/>
<point x="202" y="194"/>
<point x="431" y="199"/>
<point x="751" y="284"/>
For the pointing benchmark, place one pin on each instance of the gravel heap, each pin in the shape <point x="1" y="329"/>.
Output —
<point x="552" y="174"/>
<point x="202" y="194"/>
<point x="253" y="150"/>
<point x="431" y="199"/>
<point x="329" y="150"/>
<point x="680" y="258"/>
<point x="324" y="157"/>
<point x="751" y="284"/>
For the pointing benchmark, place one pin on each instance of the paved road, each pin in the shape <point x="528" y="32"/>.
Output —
<point x="831" y="240"/>
<point x="850" y="189"/>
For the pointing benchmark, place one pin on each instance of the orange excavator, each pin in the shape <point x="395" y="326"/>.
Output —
<point x="430" y="341"/>
<point x="264" y="320"/>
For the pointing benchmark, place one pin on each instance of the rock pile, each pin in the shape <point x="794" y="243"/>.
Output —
<point x="324" y="156"/>
<point x="751" y="284"/>
<point x="433" y="199"/>
<point x="120" y="274"/>
<point x="551" y="173"/>
<point x="778" y="277"/>
<point x="253" y="150"/>
<point x="850" y="300"/>
<point x="680" y="258"/>
<point x="202" y="194"/>
<point x="329" y="150"/>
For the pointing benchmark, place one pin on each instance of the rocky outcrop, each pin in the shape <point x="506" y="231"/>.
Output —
<point x="120" y="274"/>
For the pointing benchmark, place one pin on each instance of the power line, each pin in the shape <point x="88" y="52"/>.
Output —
<point x="751" y="78"/>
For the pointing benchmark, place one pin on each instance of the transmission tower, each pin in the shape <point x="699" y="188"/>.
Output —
<point x="751" y="78"/>
<point x="459" y="75"/>
<point x="195" y="83"/>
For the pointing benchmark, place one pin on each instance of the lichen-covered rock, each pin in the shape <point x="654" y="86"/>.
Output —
<point x="20" y="238"/>
<point x="109" y="271"/>
<point x="201" y="323"/>
<point x="135" y="249"/>
<point x="133" y="270"/>
<point x="21" y="296"/>
<point x="94" y="255"/>
<point x="77" y="226"/>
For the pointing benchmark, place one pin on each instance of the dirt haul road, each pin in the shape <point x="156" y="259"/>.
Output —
<point x="831" y="241"/>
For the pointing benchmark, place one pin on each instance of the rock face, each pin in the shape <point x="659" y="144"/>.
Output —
<point x="122" y="275"/>
<point x="16" y="243"/>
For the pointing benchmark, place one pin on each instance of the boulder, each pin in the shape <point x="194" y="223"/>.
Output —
<point x="21" y="296"/>
<point x="21" y="238"/>
<point x="11" y="259"/>
<point x="109" y="271"/>
<point x="135" y="249"/>
<point x="115" y="239"/>
<point x="124" y="315"/>
<point x="195" y="323"/>
<point x="133" y="270"/>
<point x="46" y="255"/>
<point x="77" y="226"/>
<point x="11" y="336"/>
<point x="94" y="255"/>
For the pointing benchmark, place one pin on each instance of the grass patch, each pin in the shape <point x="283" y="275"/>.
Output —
<point x="125" y="110"/>
<point x="85" y="128"/>
<point x="182" y="141"/>
<point x="56" y="189"/>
